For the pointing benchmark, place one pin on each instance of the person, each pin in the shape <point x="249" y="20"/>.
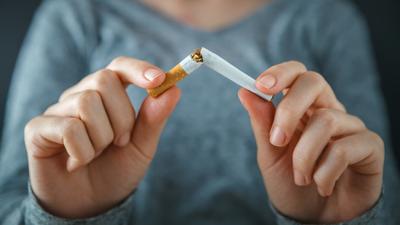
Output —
<point x="100" y="151"/>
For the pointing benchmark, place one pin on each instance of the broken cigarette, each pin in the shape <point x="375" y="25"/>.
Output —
<point x="213" y="61"/>
<point x="188" y="65"/>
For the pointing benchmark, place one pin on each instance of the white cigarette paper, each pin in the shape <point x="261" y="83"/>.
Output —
<point x="214" y="62"/>
<point x="221" y="66"/>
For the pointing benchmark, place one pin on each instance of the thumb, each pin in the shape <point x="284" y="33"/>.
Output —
<point x="261" y="115"/>
<point x="152" y="117"/>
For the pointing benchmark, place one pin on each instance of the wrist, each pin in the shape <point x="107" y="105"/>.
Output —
<point x="371" y="216"/>
<point x="36" y="214"/>
<point x="71" y="208"/>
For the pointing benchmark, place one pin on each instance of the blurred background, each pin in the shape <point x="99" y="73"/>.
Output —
<point x="382" y="16"/>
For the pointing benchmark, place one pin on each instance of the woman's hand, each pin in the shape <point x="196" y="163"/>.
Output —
<point x="89" y="151"/>
<point x="319" y="164"/>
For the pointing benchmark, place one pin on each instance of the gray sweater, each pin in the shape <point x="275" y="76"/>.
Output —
<point x="205" y="170"/>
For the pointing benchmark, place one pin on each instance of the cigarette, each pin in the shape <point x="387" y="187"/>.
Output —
<point x="187" y="66"/>
<point x="213" y="61"/>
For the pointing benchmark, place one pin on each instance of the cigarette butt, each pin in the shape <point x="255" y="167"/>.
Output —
<point x="189" y="64"/>
<point x="172" y="77"/>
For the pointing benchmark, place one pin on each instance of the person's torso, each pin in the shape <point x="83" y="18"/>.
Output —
<point x="205" y="169"/>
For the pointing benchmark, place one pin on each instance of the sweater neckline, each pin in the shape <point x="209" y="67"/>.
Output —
<point x="187" y="29"/>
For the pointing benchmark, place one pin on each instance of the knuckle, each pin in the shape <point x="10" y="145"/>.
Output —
<point x="31" y="140"/>
<point x="126" y="121"/>
<point x="105" y="72"/>
<point x="288" y="66"/>
<point x="109" y="137"/>
<point x="73" y="126"/>
<point x="124" y="127"/>
<point x="287" y="116"/>
<point x="29" y="129"/>
<point x="338" y="152"/>
<point x="317" y="78"/>
<point x="340" y="106"/>
<point x="326" y="117"/>
<point x="284" y="110"/>
<point x="106" y="140"/>
<point x="64" y="96"/>
<point x="129" y="119"/>
<point x="142" y="63"/>
<point x="300" y="163"/>
<point x="29" y="126"/>
<point x="359" y="122"/>
<point x="278" y="69"/>
<point x="49" y="110"/>
<point x="104" y="78"/>
<point x="380" y="144"/>
<point x="88" y="98"/>
<point x="119" y="60"/>
<point x="88" y="101"/>
<point x="298" y="65"/>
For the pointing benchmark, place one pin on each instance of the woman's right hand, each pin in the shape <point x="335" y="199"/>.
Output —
<point x="89" y="151"/>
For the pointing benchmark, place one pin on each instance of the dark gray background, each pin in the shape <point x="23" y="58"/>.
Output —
<point x="383" y="18"/>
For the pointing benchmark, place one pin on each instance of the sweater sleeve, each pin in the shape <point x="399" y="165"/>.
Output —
<point x="35" y="214"/>
<point x="371" y="217"/>
<point x="342" y="49"/>
<point x="53" y="58"/>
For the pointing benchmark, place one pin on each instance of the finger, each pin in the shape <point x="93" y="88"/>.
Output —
<point x="282" y="76"/>
<point x="279" y="77"/>
<point x="151" y="120"/>
<point x="305" y="91"/>
<point x="88" y="107"/>
<point x="323" y="125"/>
<point x="261" y="115"/>
<point x="117" y="104"/>
<point x="362" y="152"/>
<point x="47" y="135"/>
<point x="137" y="72"/>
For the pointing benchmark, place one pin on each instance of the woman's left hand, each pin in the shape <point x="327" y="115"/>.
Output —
<point x="319" y="163"/>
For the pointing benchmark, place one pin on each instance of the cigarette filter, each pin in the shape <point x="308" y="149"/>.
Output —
<point x="214" y="62"/>
<point x="186" y="66"/>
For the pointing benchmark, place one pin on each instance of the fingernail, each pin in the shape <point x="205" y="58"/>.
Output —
<point x="267" y="81"/>
<point x="277" y="137"/>
<point x="152" y="74"/>
<point x="299" y="179"/>
<point x="123" y="140"/>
